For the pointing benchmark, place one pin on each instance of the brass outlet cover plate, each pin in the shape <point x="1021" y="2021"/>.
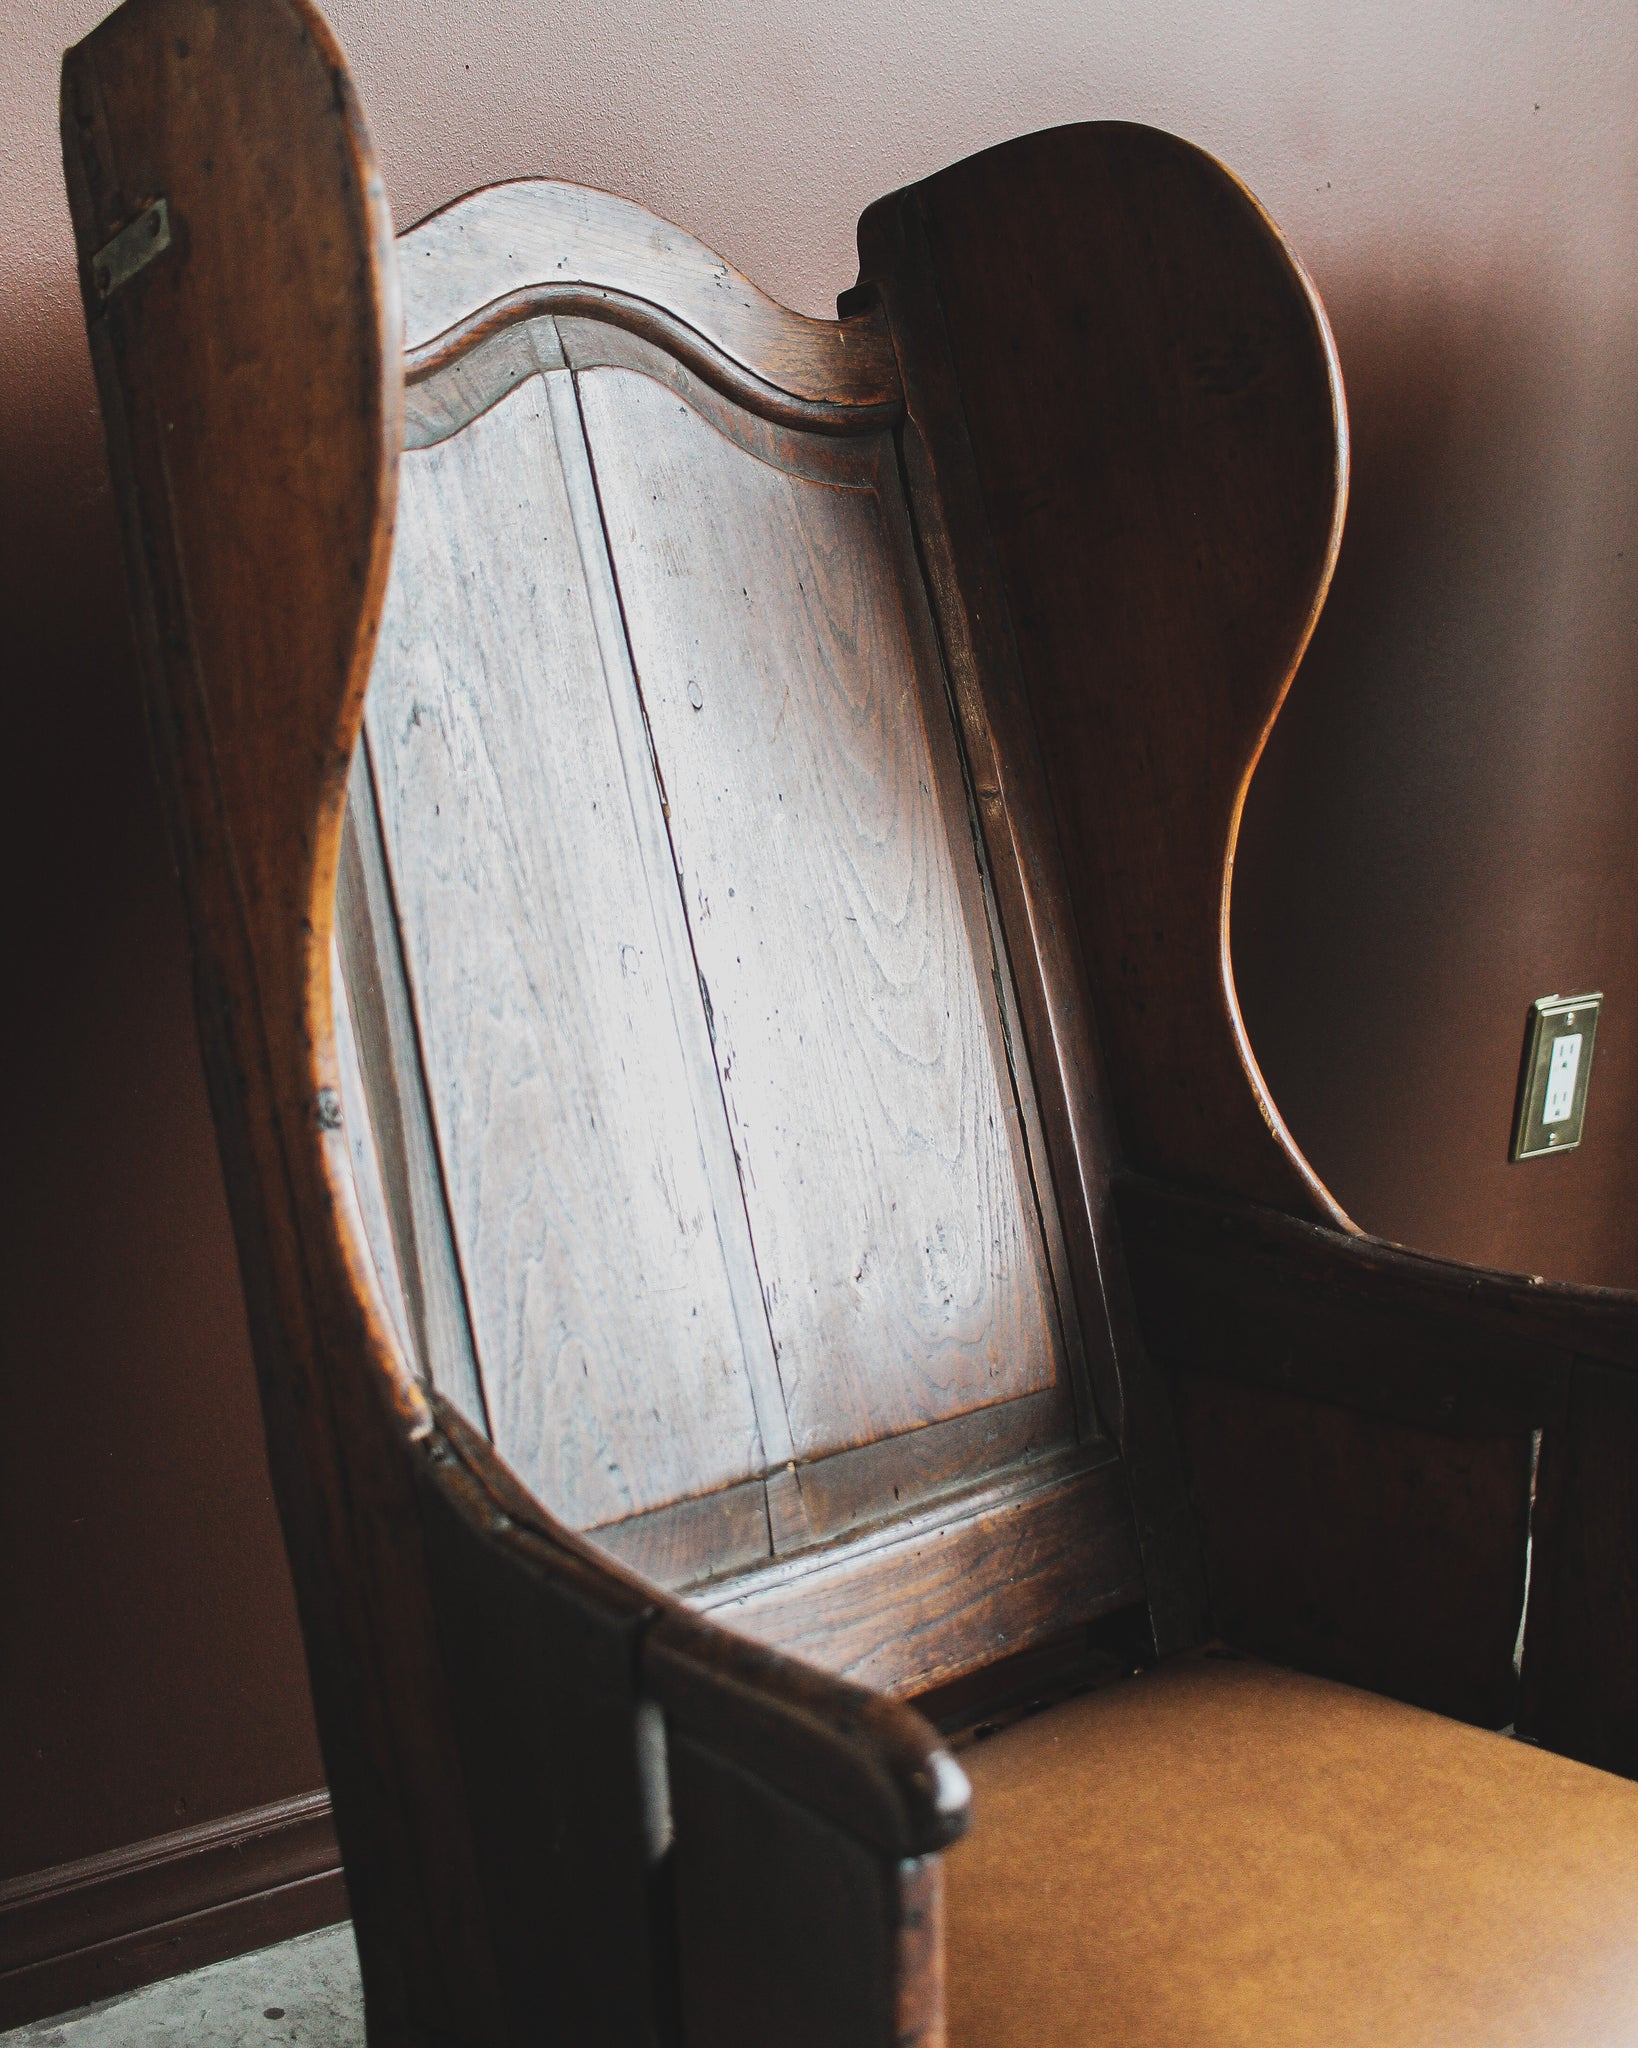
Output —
<point x="1558" y="1050"/>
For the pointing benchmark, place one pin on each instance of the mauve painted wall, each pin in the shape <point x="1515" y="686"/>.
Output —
<point x="1441" y="830"/>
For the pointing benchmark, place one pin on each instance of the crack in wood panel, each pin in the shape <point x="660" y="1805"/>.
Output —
<point x="904" y="1276"/>
<point x="583" y="1211"/>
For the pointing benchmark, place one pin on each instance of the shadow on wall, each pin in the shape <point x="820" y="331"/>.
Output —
<point x="149" y="1614"/>
<point x="1443" y="827"/>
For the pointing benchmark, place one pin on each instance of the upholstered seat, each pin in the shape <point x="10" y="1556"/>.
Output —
<point x="1221" y="1853"/>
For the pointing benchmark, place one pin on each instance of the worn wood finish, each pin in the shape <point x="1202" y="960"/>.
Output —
<point x="811" y="810"/>
<point x="920" y="2018"/>
<point x="376" y="991"/>
<point x="947" y="1589"/>
<point x="369" y="1187"/>
<point x="546" y="1640"/>
<point x="864" y="1762"/>
<point x="875" y="1482"/>
<point x="1157" y="371"/>
<point x="711" y="1537"/>
<point x="711" y="1526"/>
<point x="408" y="1582"/>
<point x="564" y="248"/>
<point x="840" y="1950"/>
<point x="580" y="1193"/>
<point x="579" y="1793"/>
<point x="1363" y="1549"/>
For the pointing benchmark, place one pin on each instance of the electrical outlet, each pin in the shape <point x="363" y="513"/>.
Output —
<point x="1558" y="1050"/>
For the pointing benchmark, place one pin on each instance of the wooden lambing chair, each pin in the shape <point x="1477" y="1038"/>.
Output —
<point x="707" y="835"/>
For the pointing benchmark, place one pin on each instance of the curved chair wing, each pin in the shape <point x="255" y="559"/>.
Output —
<point x="1140" y="396"/>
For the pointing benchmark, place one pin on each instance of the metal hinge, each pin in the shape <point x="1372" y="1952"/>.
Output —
<point x="134" y="247"/>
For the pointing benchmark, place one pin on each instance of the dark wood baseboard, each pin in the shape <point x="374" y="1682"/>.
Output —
<point x="110" y="1923"/>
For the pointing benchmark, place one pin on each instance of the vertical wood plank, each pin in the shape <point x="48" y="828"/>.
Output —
<point x="367" y="1178"/>
<point x="582" y="1208"/>
<point x="682" y="972"/>
<point x="394" y="1086"/>
<point x="900" y="1259"/>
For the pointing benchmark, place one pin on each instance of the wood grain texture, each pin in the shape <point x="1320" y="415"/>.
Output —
<point x="446" y="399"/>
<point x="874" y="1483"/>
<point x="564" y="1654"/>
<point x="368" y="1184"/>
<point x="1056" y="1025"/>
<point x="476" y="1667"/>
<point x="671" y="926"/>
<point x="900" y="1261"/>
<point x="580" y="1197"/>
<point x="376" y="989"/>
<point x="508" y="240"/>
<point x="1368" y="1550"/>
<point x="950" y="1588"/>
<point x="710" y="1536"/>
<point x="869" y="1764"/>
<point x="1156" y="414"/>
<point x="691" y="1544"/>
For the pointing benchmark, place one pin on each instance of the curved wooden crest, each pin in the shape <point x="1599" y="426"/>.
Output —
<point x="535" y="246"/>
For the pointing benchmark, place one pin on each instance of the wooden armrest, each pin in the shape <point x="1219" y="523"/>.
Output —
<point x="802" y="1879"/>
<point x="1231" y="1288"/>
<point x="806" y="1880"/>
<point x="868" y="1763"/>
<point x="1477" y="1364"/>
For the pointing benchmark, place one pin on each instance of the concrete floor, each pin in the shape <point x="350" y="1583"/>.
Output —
<point x="300" y="1994"/>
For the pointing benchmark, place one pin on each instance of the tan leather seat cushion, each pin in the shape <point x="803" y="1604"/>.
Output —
<point x="1222" y="1853"/>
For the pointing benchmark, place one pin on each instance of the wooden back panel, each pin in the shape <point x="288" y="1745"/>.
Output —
<point x="690" y="1028"/>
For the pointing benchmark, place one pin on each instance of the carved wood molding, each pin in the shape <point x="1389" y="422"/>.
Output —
<point x="658" y="324"/>
<point x="534" y="246"/>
